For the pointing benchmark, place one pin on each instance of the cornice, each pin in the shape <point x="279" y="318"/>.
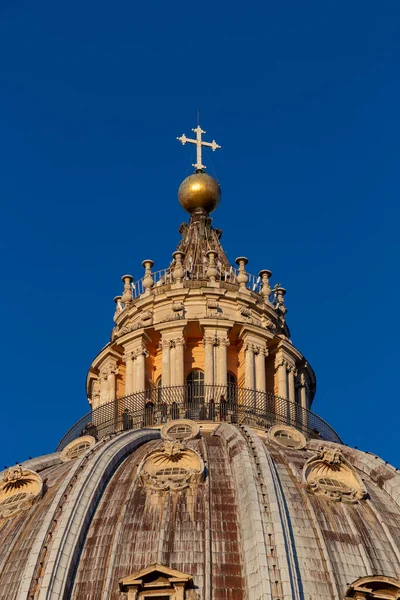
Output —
<point x="170" y="326"/>
<point x="249" y="328"/>
<point x="215" y="323"/>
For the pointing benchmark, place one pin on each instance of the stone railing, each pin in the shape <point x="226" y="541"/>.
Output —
<point x="200" y="403"/>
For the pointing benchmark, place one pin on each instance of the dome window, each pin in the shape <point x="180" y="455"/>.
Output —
<point x="376" y="586"/>
<point x="77" y="448"/>
<point x="287" y="437"/>
<point x="180" y="432"/>
<point x="170" y="472"/>
<point x="333" y="484"/>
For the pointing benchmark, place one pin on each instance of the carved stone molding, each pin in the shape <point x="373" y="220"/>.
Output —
<point x="128" y="356"/>
<point x="329" y="474"/>
<point x="301" y="380"/>
<point x="177" y="306"/>
<point x="245" y="312"/>
<point x="172" y="467"/>
<point x="141" y="351"/>
<point x="180" y="341"/>
<point x="209" y="340"/>
<point x="281" y="362"/>
<point x="19" y="488"/>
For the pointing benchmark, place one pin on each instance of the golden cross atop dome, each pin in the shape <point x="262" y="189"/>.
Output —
<point x="199" y="143"/>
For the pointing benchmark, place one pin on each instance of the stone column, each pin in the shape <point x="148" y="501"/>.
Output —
<point x="141" y="354"/>
<point x="249" y="367"/>
<point x="304" y="402"/>
<point x="304" y="397"/>
<point x="165" y="362"/>
<point x="291" y="376"/>
<point x="129" y="382"/>
<point x="103" y="388"/>
<point x="260" y="368"/>
<point x="111" y="380"/>
<point x="208" y="342"/>
<point x="179" y="361"/>
<point x="172" y="359"/>
<point x="95" y="394"/>
<point x="292" y="394"/>
<point x="222" y="362"/>
<point x="281" y="367"/>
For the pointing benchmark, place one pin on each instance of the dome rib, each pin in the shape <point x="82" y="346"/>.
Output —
<point x="75" y="518"/>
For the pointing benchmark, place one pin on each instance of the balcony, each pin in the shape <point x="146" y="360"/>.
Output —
<point x="198" y="402"/>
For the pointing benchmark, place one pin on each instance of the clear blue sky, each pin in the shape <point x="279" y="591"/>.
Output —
<point x="304" y="97"/>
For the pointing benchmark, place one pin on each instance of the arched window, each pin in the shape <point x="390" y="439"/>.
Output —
<point x="195" y="393"/>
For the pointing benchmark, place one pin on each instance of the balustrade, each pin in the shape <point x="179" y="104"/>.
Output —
<point x="228" y="403"/>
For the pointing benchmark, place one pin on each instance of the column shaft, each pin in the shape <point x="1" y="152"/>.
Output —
<point x="260" y="370"/>
<point x="172" y="362"/>
<point x="166" y="378"/>
<point x="208" y="361"/>
<point x="179" y="362"/>
<point x="292" y="393"/>
<point x="140" y="372"/>
<point x="249" y="367"/>
<point x="282" y="380"/>
<point x="103" y="389"/>
<point x="129" y="375"/>
<point x="303" y="397"/>
<point x="292" y="396"/>
<point x="111" y="386"/>
<point x="222" y="362"/>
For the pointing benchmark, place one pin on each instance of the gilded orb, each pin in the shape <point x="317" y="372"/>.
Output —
<point x="199" y="191"/>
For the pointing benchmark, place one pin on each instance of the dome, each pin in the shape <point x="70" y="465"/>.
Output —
<point x="209" y="510"/>
<point x="199" y="190"/>
<point x="200" y="472"/>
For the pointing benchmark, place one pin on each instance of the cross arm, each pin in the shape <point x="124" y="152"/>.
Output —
<point x="185" y="139"/>
<point x="212" y="145"/>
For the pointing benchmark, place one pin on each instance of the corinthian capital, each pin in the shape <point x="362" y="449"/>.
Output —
<point x="142" y="350"/>
<point x="164" y="344"/>
<point x="209" y="340"/>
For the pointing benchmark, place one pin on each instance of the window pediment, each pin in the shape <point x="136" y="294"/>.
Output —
<point x="156" y="581"/>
